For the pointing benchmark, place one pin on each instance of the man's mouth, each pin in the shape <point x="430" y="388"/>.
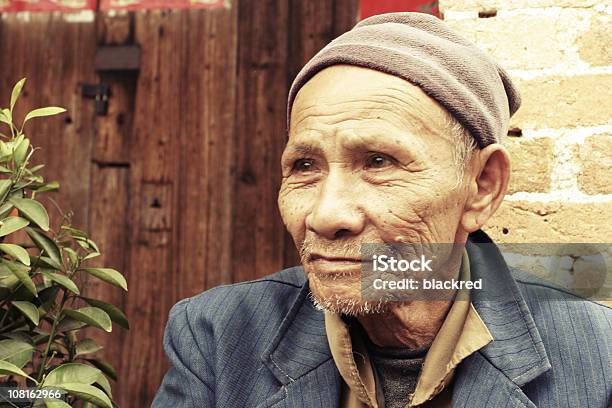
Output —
<point x="335" y="265"/>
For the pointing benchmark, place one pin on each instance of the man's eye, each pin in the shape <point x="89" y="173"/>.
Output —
<point x="303" y="165"/>
<point x="378" y="161"/>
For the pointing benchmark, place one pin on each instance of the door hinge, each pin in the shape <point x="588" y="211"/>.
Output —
<point x="100" y="94"/>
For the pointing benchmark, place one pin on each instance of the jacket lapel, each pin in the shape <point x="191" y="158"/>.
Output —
<point x="299" y="357"/>
<point x="516" y="356"/>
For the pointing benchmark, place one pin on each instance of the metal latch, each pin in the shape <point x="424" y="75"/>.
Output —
<point x="100" y="94"/>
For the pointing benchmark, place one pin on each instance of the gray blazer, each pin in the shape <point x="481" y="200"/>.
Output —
<point x="263" y="344"/>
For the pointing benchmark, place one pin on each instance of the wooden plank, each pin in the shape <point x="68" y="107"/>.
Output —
<point x="114" y="130"/>
<point x="179" y="152"/>
<point x="147" y="297"/>
<point x="260" y="128"/>
<point x="207" y="129"/>
<point x="115" y="28"/>
<point x="109" y="225"/>
<point x="110" y="195"/>
<point x="55" y="55"/>
<point x="346" y="15"/>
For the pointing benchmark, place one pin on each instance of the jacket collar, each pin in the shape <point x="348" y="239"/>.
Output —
<point x="517" y="349"/>
<point x="300" y="345"/>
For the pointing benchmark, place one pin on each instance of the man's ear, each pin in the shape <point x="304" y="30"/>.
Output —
<point x="487" y="185"/>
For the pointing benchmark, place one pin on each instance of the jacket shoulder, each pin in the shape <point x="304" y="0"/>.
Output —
<point x="544" y="296"/>
<point x="575" y="332"/>
<point x="562" y="316"/>
<point x="240" y="307"/>
<point x="288" y="280"/>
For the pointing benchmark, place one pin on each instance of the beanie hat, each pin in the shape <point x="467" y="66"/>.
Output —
<point x="423" y="50"/>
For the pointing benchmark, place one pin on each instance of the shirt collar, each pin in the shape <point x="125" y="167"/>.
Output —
<point x="462" y="333"/>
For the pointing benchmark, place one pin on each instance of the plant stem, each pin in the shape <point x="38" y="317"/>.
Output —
<point x="51" y="336"/>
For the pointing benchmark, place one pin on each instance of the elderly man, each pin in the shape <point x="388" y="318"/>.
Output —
<point x="394" y="139"/>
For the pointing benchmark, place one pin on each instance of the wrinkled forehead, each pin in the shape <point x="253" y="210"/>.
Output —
<point x="356" y="96"/>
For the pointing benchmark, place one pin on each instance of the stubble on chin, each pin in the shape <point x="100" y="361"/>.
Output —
<point x="335" y="295"/>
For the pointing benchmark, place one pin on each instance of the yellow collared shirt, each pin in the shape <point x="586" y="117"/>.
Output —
<point x="462" y="333"/>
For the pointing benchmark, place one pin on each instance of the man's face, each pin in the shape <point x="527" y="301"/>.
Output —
<point x="369" y="160"/>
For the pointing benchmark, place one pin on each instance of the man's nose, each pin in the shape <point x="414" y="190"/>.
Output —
<point x="336" y="212"/>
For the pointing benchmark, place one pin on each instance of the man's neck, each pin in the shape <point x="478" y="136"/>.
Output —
<point x="411" y="325"/>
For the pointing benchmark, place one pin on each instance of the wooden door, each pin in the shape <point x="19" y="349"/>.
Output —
<point x="177" y="180"/>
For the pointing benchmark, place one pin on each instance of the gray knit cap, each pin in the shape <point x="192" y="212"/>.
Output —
<point x="423" y="50"/>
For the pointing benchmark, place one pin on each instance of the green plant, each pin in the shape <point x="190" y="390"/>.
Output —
<point x="42" y="310"/>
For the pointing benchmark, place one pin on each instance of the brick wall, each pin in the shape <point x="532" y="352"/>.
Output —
<point x="559" y="53"/>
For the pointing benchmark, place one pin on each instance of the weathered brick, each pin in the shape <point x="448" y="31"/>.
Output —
<point x="531" y="161"/>
<point x="584" y="268"/>
<point x="527" y="41"/>
<point x="466" y="5"/>
<point x="549" y="222"/>
<point x="595" y="175"/>
<point x="572" y="101"/>
<point x="595" y="46"/>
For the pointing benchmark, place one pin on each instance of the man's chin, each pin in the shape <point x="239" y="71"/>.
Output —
<point x="342" y="294"/>
<point x="349" y="306"/>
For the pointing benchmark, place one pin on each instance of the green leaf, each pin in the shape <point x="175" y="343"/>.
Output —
<point x="62" y="280"/>
<point x="16" y="352"/>
<point x="72" y="373"/>
<point x="33" y="210"/>
<point x="74" y="232"/>
<point x="87" y="346"/>
<point x="50" y="186"/>
<point x="91" y="255"/>
<point x="28" y="309"/>
<point x="21" y="151"/>
<point x="34" y="169"/>
<point x="93" y="245"/>
<point x="5" y="209"/>
<point x="21" y="336"/>
<point x="7" y="277"/>
<point x="12" y="224"/>
<point x="21" y="272"/>
<point x="103" y="382"/>
<point x="17" y="252"/>
<point x="56" y="404"/>
<point x="88" y="393"/>
<point x="7" y="368"/>
<point x="45" y="243"/>
<point x="108" y="275"/>
<point x="5" y="186"/>
<point x="105" y="367"/>
<point x="16" y="92"/>
<point x="45" y="262"/>
<point x="91" y="315"/>
<point x="68" y="324"/>
<point x="5" y="116"/>
<point x="48" y="111"/>
<point x="113" y="311"/>
<point x="72" y="255"/>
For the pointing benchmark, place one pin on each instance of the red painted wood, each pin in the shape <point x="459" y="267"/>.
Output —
<point x="159" y="4"/>
<point x="373" y="7"/>
<point x="7" y="6"/>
